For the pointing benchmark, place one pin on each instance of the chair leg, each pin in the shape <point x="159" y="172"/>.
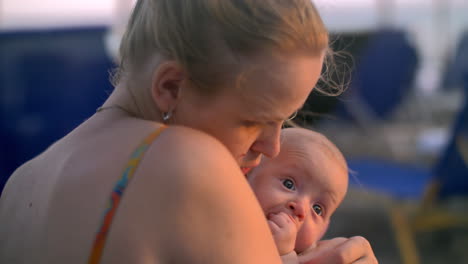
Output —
<point x="439" y="220"/>
<point x="404" y="237"/>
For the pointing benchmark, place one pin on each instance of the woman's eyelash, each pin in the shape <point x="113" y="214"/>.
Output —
<point x="291" y="117"/>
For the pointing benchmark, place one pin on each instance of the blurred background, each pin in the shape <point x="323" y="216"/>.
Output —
<point x="402" y="123"/>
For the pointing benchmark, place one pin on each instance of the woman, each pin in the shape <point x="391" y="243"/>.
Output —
<point x="203" y="88"/>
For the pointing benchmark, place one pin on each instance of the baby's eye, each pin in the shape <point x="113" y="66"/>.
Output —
<point x="289" y="184"/>
<point x="317" y="209"/>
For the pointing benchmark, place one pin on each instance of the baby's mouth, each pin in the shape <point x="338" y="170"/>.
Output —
<point x="293" y="219"/>
<point x="246" y="170"/>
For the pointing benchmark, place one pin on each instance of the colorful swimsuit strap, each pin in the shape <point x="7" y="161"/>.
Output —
<point x="117" y="194"/>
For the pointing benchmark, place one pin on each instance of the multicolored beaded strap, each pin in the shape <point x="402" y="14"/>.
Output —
<point x="117" y="194"/>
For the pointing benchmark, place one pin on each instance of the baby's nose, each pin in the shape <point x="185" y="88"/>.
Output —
<point x="298" y="209"/>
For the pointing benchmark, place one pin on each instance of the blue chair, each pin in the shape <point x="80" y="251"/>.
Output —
<point x="458" y="65"/>
<point x="54" y="80"/>
<point x="432" y="188"/>
<point x="383" y="75"/>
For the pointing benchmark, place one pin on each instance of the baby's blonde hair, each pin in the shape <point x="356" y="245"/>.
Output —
<point x="303" y="138"/>
<point x="208" y="37"/>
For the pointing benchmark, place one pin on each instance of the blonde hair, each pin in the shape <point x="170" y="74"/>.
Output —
<point x="207" y="37"/>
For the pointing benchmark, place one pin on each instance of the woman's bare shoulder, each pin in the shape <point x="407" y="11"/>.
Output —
<point x="189" y="203"/>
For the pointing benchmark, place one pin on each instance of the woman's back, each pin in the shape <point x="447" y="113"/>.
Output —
<point x="54" y="200"/>
<point x="52" y="207"/>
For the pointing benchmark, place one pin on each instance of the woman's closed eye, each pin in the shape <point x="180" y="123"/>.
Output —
<point x="317" y="209"/>
<point x="289" y="184"/>
<point x="249" y="123"/>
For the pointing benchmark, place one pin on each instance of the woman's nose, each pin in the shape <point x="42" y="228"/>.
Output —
<point x="298" y="208"/>
<point x="268" y="142"/>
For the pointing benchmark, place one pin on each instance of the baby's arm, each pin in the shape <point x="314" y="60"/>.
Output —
<point x="284" y="232"/>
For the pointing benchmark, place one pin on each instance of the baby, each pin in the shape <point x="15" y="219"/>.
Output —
<point x="300" y="189"/>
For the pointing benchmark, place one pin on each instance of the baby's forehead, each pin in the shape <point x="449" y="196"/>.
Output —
<point x="314" y="163"/>
<point x="299" y="162"/>
<point x="300" y="142"/>
<point x="310" y="146"/>
<point x="300" y="152"/>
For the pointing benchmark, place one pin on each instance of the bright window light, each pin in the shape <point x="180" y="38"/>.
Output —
<point x="54" y="13"/>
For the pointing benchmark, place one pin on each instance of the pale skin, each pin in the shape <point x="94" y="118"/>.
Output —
<point x="300" y="189"/>
<point x="51" y="208"/>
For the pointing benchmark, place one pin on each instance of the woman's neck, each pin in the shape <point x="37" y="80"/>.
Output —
<point x="134" y="103"/>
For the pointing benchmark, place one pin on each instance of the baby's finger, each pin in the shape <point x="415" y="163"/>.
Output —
<point x="273" y="226"/>
<point x="321" y="248"/>
<point x="281" y="219"/>
<point x="329" y="244"/>
<point x="356" y="250"/>
<point x="367" y="260"/>
<point x="341" y="251"/>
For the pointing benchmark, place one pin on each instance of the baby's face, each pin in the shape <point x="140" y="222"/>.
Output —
<point x="306" y="185"/>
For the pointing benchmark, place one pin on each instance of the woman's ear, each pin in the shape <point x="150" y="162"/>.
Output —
<point x="166" y="85"/>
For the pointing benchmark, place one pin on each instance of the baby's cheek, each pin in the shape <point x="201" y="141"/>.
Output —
<point x="309" y="234"/>
<point x="324" y="230"/>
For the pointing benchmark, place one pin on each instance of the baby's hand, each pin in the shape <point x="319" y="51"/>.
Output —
<point x="284" y="232"/>
<point x="339" y="250"/>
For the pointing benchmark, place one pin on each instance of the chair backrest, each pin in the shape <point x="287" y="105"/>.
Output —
<point x="50" y="81"/>
<point x="383" y="75"/>
<point x="451" y="172"/>
<point x="457" y="66"/>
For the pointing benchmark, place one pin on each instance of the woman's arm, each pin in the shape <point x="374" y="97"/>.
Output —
<point x="189" y="203"/>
